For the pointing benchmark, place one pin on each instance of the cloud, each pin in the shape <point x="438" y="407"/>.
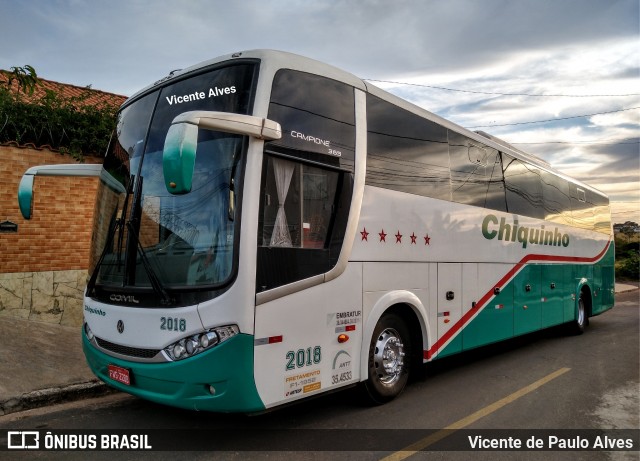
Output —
<point x="529" y="46"/>
<point x="370" y="38"/>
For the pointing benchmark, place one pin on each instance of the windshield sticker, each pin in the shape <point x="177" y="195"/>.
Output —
<point x="197" y="95"/>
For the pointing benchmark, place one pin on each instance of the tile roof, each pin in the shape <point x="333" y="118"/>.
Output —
<point x="85" y="97"/>
<point x="95" y="97"/>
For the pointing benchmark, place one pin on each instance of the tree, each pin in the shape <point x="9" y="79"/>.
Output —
<point x="26" y="77"/>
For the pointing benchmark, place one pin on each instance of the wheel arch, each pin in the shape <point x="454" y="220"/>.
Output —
<point x="407" y="306"/>
<point x="584" y="287"/>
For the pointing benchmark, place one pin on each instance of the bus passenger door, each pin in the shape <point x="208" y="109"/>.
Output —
<point x="450" y="298"/>
<point x="527" y="313"/>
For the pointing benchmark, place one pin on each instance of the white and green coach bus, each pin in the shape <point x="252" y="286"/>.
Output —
<point x="268" y="228"/>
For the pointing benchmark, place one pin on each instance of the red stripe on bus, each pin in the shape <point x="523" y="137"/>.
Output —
<point x="490" y="294"/>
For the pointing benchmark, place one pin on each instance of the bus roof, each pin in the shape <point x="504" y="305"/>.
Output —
<point x="275" y="60"/>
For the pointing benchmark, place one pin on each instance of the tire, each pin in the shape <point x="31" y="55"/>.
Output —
<point x="389" y="360"/>
<point x="578" y="325"/>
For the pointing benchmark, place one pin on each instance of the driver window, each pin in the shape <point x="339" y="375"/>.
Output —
<point x="298" y="200"/>
<point x="303" y="214"/>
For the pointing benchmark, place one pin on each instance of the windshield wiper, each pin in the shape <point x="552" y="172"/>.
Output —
<point x="114" y="224"/>
<point x="135" y="245"/>
<point x="156" y="284"/>
<point x="232" y="190"/>
<point x="117" y="224"/>
<point x="121" y="221"/>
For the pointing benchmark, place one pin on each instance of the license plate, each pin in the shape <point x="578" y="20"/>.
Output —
<point x="122" y="375"/>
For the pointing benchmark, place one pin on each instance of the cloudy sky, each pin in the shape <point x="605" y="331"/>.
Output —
<point x="570" y="66"/>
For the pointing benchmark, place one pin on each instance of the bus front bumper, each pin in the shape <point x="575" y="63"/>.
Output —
<point x="220" y="379"/>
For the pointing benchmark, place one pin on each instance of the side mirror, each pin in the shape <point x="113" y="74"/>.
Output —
<point x="25" y="188"/>
<point x="25" y="195"/>
<point x="179" y="157"/>
<point x="181" y="142"/>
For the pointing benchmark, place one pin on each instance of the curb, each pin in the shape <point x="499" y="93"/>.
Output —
<point x="54" y="395"/>
<point x="626" y="288"/>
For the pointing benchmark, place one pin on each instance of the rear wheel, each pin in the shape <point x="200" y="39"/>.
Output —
<point x="580" y="322"/>
<point x="389" y="359"/>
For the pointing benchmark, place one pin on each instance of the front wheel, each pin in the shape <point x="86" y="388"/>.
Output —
<point x="389" y="359"/>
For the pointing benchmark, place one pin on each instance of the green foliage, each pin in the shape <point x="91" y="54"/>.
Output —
<point x="25" y="77"/>
<point x="627" y="257"/>
<point x="67" y="124"/>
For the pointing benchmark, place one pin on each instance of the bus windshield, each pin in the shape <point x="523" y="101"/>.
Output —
<point x="145" y="237"/>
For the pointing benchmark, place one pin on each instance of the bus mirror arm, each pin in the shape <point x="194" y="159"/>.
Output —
<point x="227" y="122"/>
<point x="181" y="142"/>
<point x="25" y="188"/>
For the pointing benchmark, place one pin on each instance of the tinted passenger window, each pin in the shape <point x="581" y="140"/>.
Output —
<point x="317" y="117"/>
<point x="582" y="211"/>
<point x="557" y="201"/>
<point x="523" y="188"/>
<point x="406" y="152"/>
<point x="476" y="173"/>
<point x="601" y="212"/>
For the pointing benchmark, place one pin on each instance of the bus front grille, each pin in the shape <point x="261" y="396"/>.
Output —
<point x="126" y="350"/>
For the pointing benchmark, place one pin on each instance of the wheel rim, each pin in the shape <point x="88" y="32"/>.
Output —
<point x="388" y="356"/>
<point x="580" y="311"/>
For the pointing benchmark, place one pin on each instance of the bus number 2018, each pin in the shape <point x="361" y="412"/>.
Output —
<point x="304" y="357"/>
<point x="173" y="324"/>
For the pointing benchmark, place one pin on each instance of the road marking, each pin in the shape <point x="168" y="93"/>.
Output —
<point x="472" y="418"/>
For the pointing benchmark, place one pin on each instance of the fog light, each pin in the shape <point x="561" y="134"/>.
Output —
<point x="212" y="390"/>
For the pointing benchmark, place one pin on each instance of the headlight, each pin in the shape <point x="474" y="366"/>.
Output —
<point x="88" y="332"/>
<point x="194" y="344"/>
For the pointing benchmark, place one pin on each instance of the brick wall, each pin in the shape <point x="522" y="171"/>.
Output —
<point x="58" y="235"/>
<point x="43" y="266"/>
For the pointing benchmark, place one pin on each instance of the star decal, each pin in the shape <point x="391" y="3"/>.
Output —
<point x="365" y="235"/>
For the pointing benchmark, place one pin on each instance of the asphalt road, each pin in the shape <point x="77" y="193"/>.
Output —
<point x="535" y="387"/>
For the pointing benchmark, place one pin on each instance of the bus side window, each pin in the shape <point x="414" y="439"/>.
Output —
<point x="476" y="173"/>
<point x="523" y="185"/>
<point x="406" y="152"/>
<point x="557" y="201"/>
<point x="303" y="215"/>
<point x="298" y="201"/>
<point x="307" y="179"/>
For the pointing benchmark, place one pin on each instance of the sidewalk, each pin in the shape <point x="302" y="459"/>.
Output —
<point x="43" y="364"/>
